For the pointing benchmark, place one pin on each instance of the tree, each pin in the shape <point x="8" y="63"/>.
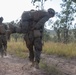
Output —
<point x="66" y="17"/>
<point x="46" y="36"/>
<point x="41" y="1"/>
<point x="74" y="1"/>
<point x="57" y="28"/>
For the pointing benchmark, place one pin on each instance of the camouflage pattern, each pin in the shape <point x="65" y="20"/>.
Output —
<point x="10" y="30"/>
<point x="35" y="38"/>
<point x="2" y="29"/>
<point x="32" y="25"/>
<point x="5" y="31"/>
<point x="3" y="45"/>
<point x="3" y="39"/>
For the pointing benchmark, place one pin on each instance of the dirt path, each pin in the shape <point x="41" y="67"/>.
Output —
<point x="67" y="66"/>
<point x="12" y="65"/>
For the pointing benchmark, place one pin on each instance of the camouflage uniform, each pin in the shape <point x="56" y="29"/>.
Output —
<point x="3" y="40"/>
<point x="32" y="24"/>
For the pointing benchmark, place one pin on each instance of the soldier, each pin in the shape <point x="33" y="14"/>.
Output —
<point x="3" y="40"/>
<point x="32" y="24"/>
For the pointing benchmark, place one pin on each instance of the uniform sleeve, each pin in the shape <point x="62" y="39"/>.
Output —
<point x="41" y="22"/>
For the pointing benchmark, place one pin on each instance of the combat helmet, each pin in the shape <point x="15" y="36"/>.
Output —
<point x="51" y="11"/>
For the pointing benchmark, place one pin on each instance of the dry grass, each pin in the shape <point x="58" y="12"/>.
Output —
<point x="18" y="48"/>
<point x="60" y="49"/>
<point x="67" y="50"/>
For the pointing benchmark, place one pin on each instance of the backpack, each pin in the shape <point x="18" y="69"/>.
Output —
<point x="26" y="15"/>
<point x="37" y="15"/>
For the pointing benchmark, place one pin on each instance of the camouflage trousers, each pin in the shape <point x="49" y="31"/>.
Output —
<point x="3" y="43"/>
<point x="35" y="47"/>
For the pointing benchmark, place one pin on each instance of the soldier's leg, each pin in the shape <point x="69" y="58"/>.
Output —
<point x="31" y="54"/>
<point x="1" y="46"/>
<point x="29" y="45"/>
<point x="38" y="49"/>
<point x="0" y="43"/>
<point x="4" y="41"/>
<point x="1" y="50"/>
<point x="5" y="49"/>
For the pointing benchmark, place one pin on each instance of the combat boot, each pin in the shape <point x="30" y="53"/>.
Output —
<point x="5" y="53"/>
<point x="31" y="64"/>
<point x="2" y="53"/>
<point x="36" y="65"/>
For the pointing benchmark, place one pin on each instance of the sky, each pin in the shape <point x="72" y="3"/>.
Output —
<point x="12" y="9"/>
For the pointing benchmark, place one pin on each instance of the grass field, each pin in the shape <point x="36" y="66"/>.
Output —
<point x="18" y="48"/>
<point x="60" y="49"/>
<point x="66" y="50"/>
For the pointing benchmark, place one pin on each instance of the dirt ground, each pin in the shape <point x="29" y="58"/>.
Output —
<point x="11" y="65"/>
<point x="67" y="66"/>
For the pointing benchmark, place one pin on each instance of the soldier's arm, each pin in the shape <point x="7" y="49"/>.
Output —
<point x="41" y="22"/>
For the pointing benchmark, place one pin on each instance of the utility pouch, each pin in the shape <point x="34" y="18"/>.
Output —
<point x="37" y="33"/>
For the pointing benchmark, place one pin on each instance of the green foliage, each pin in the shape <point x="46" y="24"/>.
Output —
<point x="37" y="0"/>
<point x="71" y="0"/>
<point x="74" y="1"/>
<point x="65" y="19"/>
<point x="46" y="37"/>
<point x="40" y="1"/>
<point x="16" y="36"/>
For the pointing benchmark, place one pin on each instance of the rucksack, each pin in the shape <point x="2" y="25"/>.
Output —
<point x="37" y="15"/>
<point x="26" y="16"/>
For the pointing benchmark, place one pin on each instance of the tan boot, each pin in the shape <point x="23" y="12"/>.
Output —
<point x="5" y="53"/>
<point x="31" y="64"/>
<point x="36" y="65"/>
